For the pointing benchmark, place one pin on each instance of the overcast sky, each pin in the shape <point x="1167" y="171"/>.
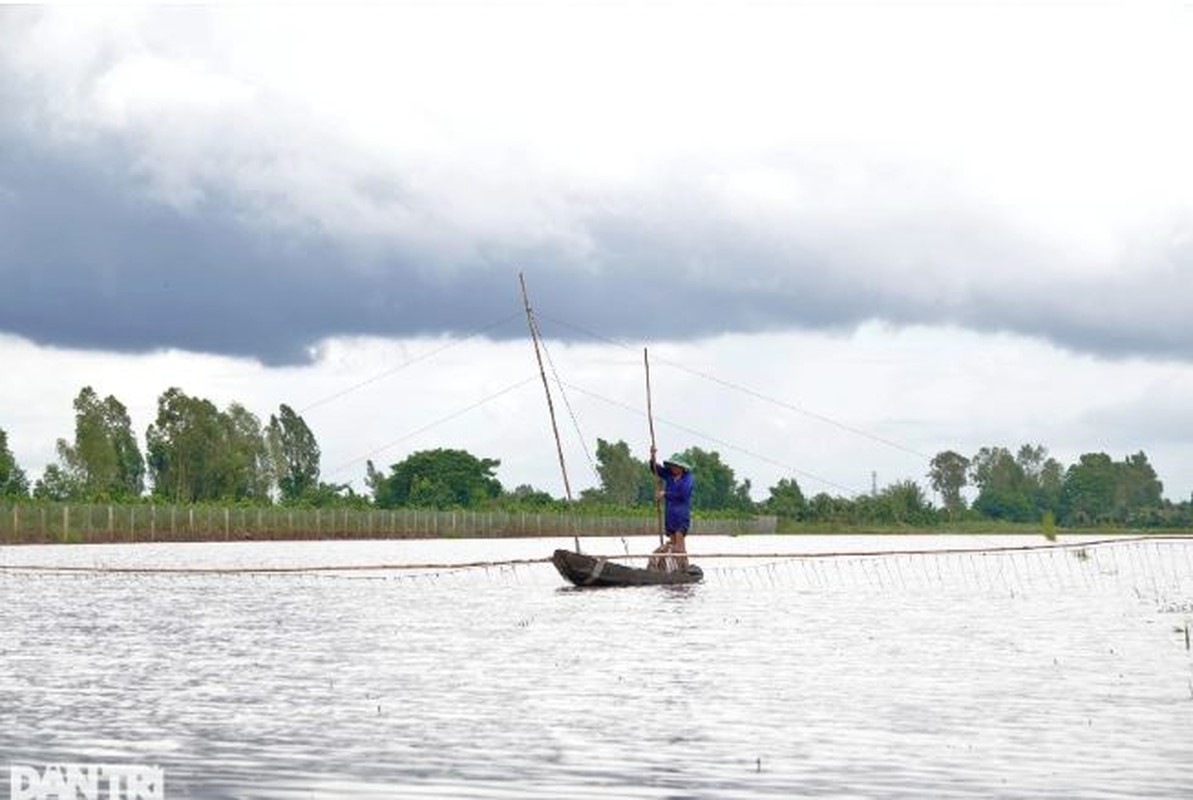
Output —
<point x="853" y="235"/>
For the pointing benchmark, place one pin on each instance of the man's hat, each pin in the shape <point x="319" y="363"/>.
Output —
<point x="678" y="460"/>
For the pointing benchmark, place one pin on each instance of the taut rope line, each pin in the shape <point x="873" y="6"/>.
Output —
<point x="812" y="558"/>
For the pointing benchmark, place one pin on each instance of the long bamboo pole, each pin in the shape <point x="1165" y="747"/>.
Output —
<point x="534" y="337"/>
<point x="658" y="482"/>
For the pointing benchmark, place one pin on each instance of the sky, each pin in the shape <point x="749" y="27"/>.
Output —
<point x="850" y="235"/>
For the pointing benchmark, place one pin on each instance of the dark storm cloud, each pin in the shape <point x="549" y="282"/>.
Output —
<point x="87" y="263"/>
<point x="157" y="189"/>
<point x="89" y="259"/>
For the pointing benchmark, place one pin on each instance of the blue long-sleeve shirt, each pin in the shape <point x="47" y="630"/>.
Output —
<point x="678" y="494"/>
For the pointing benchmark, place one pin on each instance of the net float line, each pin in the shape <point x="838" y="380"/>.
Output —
<point x="513" y="562"/>
<point x="1159" y="567"/>
<point x="496" y="563"/>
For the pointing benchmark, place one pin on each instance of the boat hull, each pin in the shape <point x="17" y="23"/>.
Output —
<point x="583" y="570"/>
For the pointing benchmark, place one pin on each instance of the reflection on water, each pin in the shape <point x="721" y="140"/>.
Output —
<point x="862" y="678"/>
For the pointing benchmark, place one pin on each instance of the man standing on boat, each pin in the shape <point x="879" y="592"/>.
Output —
<point x="676" y="489"/>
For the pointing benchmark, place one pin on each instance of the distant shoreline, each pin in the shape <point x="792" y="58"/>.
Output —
<point x="842" y="531"/>
<point x="93" y="523"/>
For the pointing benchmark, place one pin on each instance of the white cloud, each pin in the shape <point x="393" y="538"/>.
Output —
<point x="993" y="168"/>
<point x="830" y="407"/>
<point x="142" y="88"/>
<point x="1065" y="120"/>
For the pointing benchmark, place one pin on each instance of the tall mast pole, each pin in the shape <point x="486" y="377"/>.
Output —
<point x="534" y="337"/>
<point x="658" y="507"/>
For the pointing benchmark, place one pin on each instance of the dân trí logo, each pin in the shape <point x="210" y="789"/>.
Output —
<point x="87" y="782"/>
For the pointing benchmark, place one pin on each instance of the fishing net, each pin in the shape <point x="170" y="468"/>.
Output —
<point x="1159" y="567"/>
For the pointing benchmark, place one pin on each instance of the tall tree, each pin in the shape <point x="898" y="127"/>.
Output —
<point x="104" y="461"/>
<point x="182" y="445"/>
<point x="786" y="500"/>
<point x="1050" y="481"/>
<point x="293" y="453"/>
<point x="197" y="452"/>
<point x="624" y="479"/>
<point x="948" y="473"/>
<point x="244" y="467"/>
<point x="441" y="478"/>
<point x="1089" y="489"/>
<point x="1097" y="490"/>
<point x="1004" y="491"/>
<point x="13" y="482"/>
<point x="1137" y="488"/>
<point x="1042" y="477"/>
<point x="716" y="486"/>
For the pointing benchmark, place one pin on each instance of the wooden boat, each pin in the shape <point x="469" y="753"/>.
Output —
<point x="584" y="570"/>
<point x="576" y="567"/>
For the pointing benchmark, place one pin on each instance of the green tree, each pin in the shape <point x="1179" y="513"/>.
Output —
<point x="526" y="496"/>
<point x="948" y="472"/>
<point x="786" y="500"/>
<point x="716" y="486"/>
<point x="332" y="495"/>
<point x="904" y="503"/>
<point x="823" y="507"/>
<point x="1099" y="490"/>
<point x="293" y="452"/>
<point x="376" y="481"/>
<point x="1042" y="478"/>
<point x="1004" y="488"/>
<point x="183" y="447"/>
<point x="624" y="479"/>
<point x="1137" y="490"/>
<point x="1089" y="490"/>
<point x="55" y="484"/>
<point x="1050" y="481"/>
<point x="13" y="482"/>
<point x="440" y="478"/>
<point x="196" y="452"/>
<point x="104" y="461"/>
<point x="243" y="469"/>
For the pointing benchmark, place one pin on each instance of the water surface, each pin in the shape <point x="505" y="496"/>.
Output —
<point x="1030" y="674"/>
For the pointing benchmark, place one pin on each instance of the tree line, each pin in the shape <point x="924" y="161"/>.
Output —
<point x="1027" y="486"/>
<point x="194" y="452"/>
<point x="1031" y="486"/>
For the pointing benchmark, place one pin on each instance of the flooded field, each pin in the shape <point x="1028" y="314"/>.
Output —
<point x="1025" y="673"/>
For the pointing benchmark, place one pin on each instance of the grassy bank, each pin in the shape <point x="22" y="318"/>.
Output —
<point x="57" y="523"/>
<point x="989" y="527"/>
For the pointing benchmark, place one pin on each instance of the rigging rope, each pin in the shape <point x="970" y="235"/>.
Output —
<point x="571" y="411"/>
<point x="566" y="402"/>
<point x="721" y="442"/>
<point x="753" y="393"/>
<point x="459" y="413"/>
<point x="405" y="364"/>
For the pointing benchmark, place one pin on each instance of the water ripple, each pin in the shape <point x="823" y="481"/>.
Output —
<point x="1030" y="680"/>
